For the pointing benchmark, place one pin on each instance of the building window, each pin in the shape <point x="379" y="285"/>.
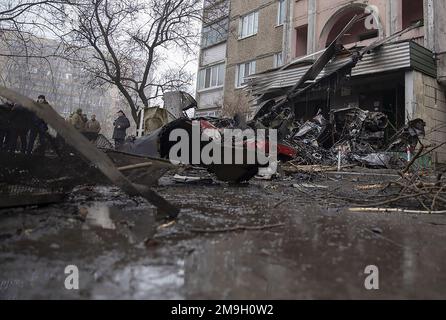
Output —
<point x="413" y="11"/>
<point x="249" y="25"/>
<point x="278" y="60"/>
<point x="281" y="12"/>
<point x="211" y="77"/>
<point x="215" y="11"/>
<point x="215" y="33"/>
<point x="301" y="41"/>
<point x="244" y="70"/>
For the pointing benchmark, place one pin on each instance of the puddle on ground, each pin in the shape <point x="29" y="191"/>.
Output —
<point x="142" y="282"/>
<point x="99" y="216"/>
<point x="136" y="225"/>
<point x="319" y="253"/>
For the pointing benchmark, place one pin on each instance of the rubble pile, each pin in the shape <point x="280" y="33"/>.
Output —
<point x="357" y="135"/>
<point x="415" y="190"/>
<point x="360" y="130"/>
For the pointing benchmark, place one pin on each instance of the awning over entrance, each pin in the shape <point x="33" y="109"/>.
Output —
<point x="388" y="57"/>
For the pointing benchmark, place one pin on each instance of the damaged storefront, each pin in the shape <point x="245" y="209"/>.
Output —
<point x="394" y="79"/>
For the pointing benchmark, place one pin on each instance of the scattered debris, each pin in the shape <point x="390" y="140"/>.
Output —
<point x="290" y="167"/>
<point x="167" y="225"/>
<point x="412" y="191"/>
<point x="192" y="180"/>
<point x="238" y="228"/>
<point x="370" y="187"/>
<point x="309" y="186"/>
<point x="33" y="199"/>
<point x="377" y="230"/>
<point x="397" y="210"/>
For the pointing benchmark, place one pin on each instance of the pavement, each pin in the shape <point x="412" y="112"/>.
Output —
<point x="259" y="240"/>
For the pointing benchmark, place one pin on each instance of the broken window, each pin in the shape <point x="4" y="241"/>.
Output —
<point x="301" y="40"/>
<point x="244" y="70"/>
<point x="413" y="11"/>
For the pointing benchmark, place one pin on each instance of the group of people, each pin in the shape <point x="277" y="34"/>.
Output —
<point x="18" y="123"/>
<point x="80" y="121"/>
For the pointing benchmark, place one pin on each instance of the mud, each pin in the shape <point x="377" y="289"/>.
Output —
<point x="123" y="251"/>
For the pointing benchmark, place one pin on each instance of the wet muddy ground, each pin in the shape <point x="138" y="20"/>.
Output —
<point x="312" y="247"/>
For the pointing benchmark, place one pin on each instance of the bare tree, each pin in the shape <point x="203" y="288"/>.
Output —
<point x="24" y="25"/>
<point x="130" y="39"/>
<point x="122" y="44"/>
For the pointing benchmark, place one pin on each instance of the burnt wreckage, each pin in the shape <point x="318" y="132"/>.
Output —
<point x="361" y="136"/>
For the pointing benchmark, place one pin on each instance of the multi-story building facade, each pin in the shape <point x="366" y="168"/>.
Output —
<point x="404" y="77"/>
<point x="240" y="39"/>
<point x="212" y="61"/>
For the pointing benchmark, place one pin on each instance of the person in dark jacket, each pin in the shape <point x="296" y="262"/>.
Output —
<point x="121" y="124"/>
<point x="5" y="123"/>
<point x="21" y="121"/>
<point x="38" y="128"/>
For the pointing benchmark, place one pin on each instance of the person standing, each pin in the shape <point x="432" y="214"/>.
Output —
<point x="121" y="124"/>
<point x="84" y="121"/>
<point x="93" y="125"/>
<point x="77" y="121"/>
<point x="5" y="114"/>
<point x="21" y="121"/>
<point x="38" y="128"/>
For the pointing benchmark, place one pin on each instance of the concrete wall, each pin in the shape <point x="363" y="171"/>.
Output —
<point x="260" y="47"/>
<point x="389" y="19"/>
<point x="429" y="104"/>
<point x="212" y="98"/>
<point x="439" y="29"/>
<point x="213" y="54"/>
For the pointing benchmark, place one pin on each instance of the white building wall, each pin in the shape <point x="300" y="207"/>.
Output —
<point x="211" y="98"/>
<point x="213" y="54"/>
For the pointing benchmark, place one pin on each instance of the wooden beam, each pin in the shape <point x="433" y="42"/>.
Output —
<point x="135" y="166"/>
<point x="89" y="151"/>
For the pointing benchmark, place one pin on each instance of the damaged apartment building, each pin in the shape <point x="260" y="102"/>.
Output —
<point x="239" y="38"/>
<point x="263" y="48"/>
